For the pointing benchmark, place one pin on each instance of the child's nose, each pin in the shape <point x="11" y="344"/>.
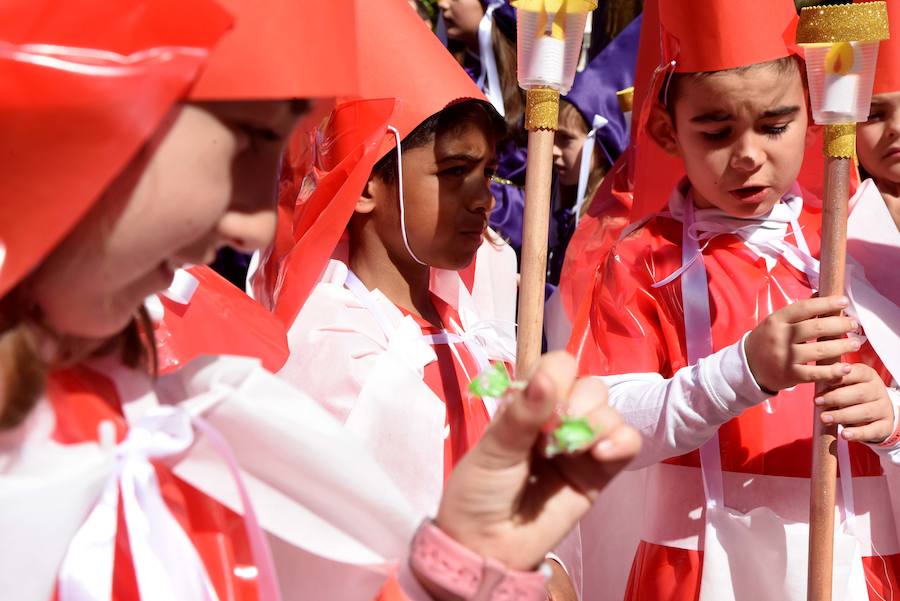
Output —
<point x="483" y="198"/>
<point x="893" y="124"/>
<point x="747" y="154"/>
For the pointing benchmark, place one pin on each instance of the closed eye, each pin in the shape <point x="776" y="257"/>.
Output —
<point x="773" y="131"/>
<point x="718" y="135"/>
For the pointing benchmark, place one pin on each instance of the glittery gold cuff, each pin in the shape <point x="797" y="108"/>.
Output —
<point x="626" y="99"/>
<point x="840" y="140"/>
<point x="541" y="109"/>
<point x="864" y="22"/>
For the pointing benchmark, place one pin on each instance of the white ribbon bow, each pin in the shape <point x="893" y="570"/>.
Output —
<point x="157" y="541"/>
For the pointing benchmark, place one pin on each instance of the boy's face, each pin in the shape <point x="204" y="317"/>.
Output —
<point x="878" y="139"/>
<point x="741" y="135"/>
<point x="447" y="197"/>
<point x="568" y="142"/>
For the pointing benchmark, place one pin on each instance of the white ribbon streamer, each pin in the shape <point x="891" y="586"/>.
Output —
<point x="765" y="236"/>
<point x="489" y="78"/>
<point x="584" y="169"/>
<point x="400" y="191"/>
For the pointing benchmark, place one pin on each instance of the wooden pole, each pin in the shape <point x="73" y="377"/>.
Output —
<point x="541" y="112"/>
<point x="831" y="281"/>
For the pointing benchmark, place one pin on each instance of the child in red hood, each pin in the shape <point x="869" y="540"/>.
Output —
<point x="730" y="260"/>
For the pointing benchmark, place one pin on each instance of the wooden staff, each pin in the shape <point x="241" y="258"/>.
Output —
<point x="831" y="281"/>
<point x="541" y="115"/>
<point x="839" y="40"/>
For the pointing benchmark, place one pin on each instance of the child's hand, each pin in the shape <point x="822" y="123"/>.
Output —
<point x="861" y="404"/>
<point x="779" y="348"/>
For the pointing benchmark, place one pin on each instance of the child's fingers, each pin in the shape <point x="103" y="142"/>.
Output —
<point x="811" y="307"/>
<point x="875" y="432"/>
<point x="821" y="373"/>
<point x="622" y="443"/>
<point x="823" y="327"/>
<point x="854" y="415"/>
<point x="844" y="396"/>
<point x="825" y="350"/>
<point x="512" y="433"/>
<point x="858" y="374"/>
<point x="587" y="395"/>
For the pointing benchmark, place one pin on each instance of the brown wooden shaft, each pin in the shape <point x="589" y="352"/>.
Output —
<point x="535" y="232"/>
<point x="824" y="461"/>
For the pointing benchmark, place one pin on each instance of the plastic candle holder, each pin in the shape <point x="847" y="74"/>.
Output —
<point x="840" y="45"/>
<point x="550" y="33"/>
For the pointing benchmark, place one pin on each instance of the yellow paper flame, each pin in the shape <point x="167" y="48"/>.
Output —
<point x="840" y="59"/>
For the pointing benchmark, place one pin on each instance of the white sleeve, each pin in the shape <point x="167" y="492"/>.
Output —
<point x="891" y="453"/>
<point x="679" y="414"/>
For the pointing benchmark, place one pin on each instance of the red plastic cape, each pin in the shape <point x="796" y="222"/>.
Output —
<point x="220" y="319"/>
<point x="633" y="327"/>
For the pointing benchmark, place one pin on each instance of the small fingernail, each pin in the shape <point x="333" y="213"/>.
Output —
<point x="847" y="435"/>
<point x="819" y="400"/>
<point x="854" y="324"/>
<point x="846" y="368"/>
<point x="856" y="344"/>
<point x="606" y="446"/>
<point x="843" y="301"/>
<point x="827" y="419"/>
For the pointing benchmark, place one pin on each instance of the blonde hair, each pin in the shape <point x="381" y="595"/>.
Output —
<point x="26" y="357"/>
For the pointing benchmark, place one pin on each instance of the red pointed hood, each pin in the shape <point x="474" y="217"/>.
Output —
<point x="92" y="80"/>
<point x="887" y="74"/>
<point x="91" y="83"/>
<point x="406" y="76"/>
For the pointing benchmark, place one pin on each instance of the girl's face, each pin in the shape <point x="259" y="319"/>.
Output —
<point x="878" y="140"/>
<point x="462" y="18"/>
<point x="206" y="179"/>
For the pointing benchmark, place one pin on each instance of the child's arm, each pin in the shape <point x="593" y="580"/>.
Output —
<point x="679" y="414"/>
<point x="866" y="408"/>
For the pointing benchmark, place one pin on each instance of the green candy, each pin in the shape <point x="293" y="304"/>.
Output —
<point x="573" y="434"/>
<point x="492" y="382"/>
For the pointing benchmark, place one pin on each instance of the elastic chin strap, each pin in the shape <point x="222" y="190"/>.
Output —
<point x="587" y="155"/>
<point x="492" y="90"/>
<point x="396" y="133"/>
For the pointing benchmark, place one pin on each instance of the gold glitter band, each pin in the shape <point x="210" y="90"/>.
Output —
<point x="626" y="99"/>
<point x="864" y="22"/>
<point x="840" y="140"/>
<point x="541" y="109"/>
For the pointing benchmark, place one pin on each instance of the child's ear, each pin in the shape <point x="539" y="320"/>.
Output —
<point x="662" y="130"/>
<point x="366" y="201"/>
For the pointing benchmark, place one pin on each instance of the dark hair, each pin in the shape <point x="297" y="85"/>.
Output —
<point x="449" y="119"/>
<point x="671" y="88"/>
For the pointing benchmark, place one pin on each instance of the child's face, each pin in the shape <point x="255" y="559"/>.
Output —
<point x="878" y="139"/>
<point x="207" y="179"/>
<point x="446" y="190"/>
<point x="741" y="135"/>
<point x="462" y="18"/>
<point x="567" y="144"/>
